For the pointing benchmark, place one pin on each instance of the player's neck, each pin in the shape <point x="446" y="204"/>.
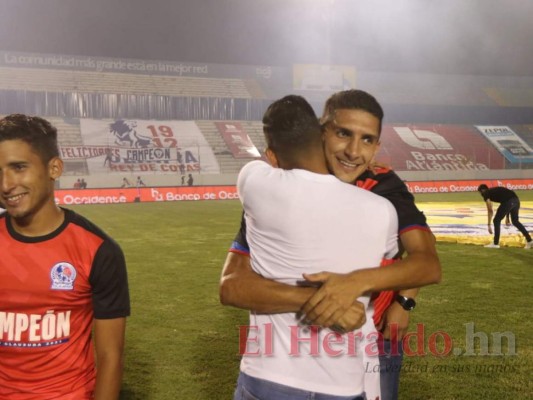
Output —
<point x="314" y="163"/>
<point x="41" y="223"/>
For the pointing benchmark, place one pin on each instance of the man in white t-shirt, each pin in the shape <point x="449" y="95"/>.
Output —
<point x="300" y="220"/>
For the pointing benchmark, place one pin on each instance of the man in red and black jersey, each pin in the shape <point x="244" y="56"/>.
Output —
<point x="61" y="277"/>
<point x="384" y="182"/>
<point x="352" y="124"/>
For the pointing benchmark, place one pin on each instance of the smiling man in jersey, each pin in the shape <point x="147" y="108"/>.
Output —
<point x="352" y="122"/>
<point x="60" y="278"/>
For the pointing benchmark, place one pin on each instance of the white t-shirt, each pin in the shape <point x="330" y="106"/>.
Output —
<point x="302" y="222"/>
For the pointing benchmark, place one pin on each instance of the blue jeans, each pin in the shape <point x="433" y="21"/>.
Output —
<point x="249" y="388"/>
<point x="390" y="364"/>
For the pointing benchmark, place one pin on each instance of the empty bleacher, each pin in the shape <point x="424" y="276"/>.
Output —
<point x="56" y="80"/>
<point x="68" y="134"/>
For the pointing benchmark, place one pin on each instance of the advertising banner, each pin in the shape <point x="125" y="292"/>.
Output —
<point x="197" y="193"/>
<point x="508" y="143"/>
<point x="325" y="78"/>
<point x="466" y="185"/>
<point x="237" y="140"/>
<point x="144" y="194"/>
<point x="437" y="148"/>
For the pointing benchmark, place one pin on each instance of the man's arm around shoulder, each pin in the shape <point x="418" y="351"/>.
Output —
<point x="241" y="287"/>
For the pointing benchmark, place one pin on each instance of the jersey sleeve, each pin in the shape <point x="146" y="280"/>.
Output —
<point x="240" y="244"/>
<point x="390" y="186"/>
<point x="247" y="181"/>
<point x="109" y="281"/>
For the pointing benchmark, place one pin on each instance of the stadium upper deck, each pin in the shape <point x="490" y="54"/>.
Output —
<point x="54" y="80"/>
<point x="485" y="126"/>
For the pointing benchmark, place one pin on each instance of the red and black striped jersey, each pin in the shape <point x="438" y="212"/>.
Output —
<point x="52" y="287"/>
<point x="386" y="183"/>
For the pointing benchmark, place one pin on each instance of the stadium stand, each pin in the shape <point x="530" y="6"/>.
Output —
<point x="426" y="89"/>
<point x="68" y="132"/>
<point x="518" y="97"/>
<point x="228" y="163"/>
<point x="449" y="105"/>
<point x="50" y="80"/>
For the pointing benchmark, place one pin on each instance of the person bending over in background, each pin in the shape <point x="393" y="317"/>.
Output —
<point x="509" y="206"/>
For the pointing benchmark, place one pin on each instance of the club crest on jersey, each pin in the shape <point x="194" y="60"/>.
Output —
<point x="63" y="276"/>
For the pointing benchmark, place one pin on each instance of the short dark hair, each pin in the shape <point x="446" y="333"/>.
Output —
<point x="352" y="99"/>
<point x="36" y="131"/>
<point x="291" y="127"/>
<point x="482" y="187"/>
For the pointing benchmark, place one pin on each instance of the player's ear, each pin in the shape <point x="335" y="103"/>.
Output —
<point x="271" y="157"/>
<point x="55" y="168"/>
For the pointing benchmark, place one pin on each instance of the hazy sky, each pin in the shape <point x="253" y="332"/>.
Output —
<point x="434" y="36"/>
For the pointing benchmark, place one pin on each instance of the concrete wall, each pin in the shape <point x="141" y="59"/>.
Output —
<point x="105" y="181"/>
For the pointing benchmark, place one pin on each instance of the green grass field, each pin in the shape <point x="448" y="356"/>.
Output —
<point x="182" y="344"/>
